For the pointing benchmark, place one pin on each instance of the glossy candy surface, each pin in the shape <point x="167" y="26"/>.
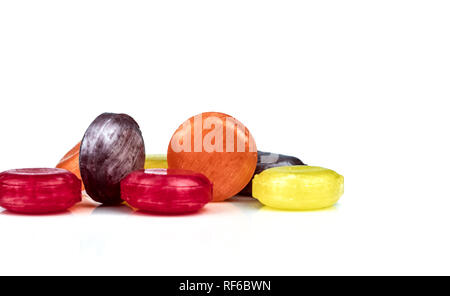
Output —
<point x="166" y="191"/>
<point x="267" y="160"/>
<point x="112" y="148"/>
<point x="217" y="146"/>
<point x="156" y="161"/>
<point x="39" y="191"/>
<point x="298" y="187"/>
<point x="71" y="162"/>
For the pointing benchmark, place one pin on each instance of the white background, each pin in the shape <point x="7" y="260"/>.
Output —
<point x="361" y="87"/>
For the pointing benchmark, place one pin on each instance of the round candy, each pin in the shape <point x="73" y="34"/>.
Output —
<point x="156" y="161"/>
<point x="218" y="146"/>
<point x="267" y="160"/>
<point x="166" y="191"/>
<point x="298" y="187"/>
<point x="71" y="162"/>
<point x="39" y="191"/>
<point x="112" y="148"/>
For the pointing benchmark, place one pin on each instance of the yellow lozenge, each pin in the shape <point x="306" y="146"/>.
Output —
<point x="156" y="161"/>
<point x="298" y="187"/>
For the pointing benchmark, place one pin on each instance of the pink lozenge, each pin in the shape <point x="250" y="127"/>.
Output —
<point x="166" y="191"/>
<point x="39" y="191"/>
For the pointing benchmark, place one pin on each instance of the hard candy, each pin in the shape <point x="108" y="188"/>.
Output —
<point x="39" y="191"/>
<point x="267" y="160"/>
<point x="298" y="187"/>
<point x="71" y="162"/>
<point x="156" y="161"/>
<point x="217" y="146"/>
<point x="166" y="191"/>
<point x="112" y="148"/>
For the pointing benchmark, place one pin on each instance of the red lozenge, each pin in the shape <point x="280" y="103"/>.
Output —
<point x="166" y="191"/>
<point x="39" y="191"/>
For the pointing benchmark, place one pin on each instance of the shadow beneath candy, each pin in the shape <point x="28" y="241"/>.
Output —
<point x="227" y="207"/>
<point x="329" y="209"/>
<point x="116" y="209"/>
<point x="154" y="214"/>
<point x="85" y="207"/>
<point x="9" y="213"/>
<point x="245" y="202"/>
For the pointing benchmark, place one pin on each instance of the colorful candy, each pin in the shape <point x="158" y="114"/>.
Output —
<point x="267" y="160"/>
<point x="166" y="191"/>
<point x="217" y="146"/>
<point x="71" y="162"/>
<point x="39" y="191"/>
<point x="211" y="157"/>
<point x="156" y="161"/>
<point x="298" y="187"/>
<point x="112" y="148"/>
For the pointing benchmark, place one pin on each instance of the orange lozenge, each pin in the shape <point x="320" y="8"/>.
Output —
<point x="71" y="162"/>
<point x="217" y="146"/>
